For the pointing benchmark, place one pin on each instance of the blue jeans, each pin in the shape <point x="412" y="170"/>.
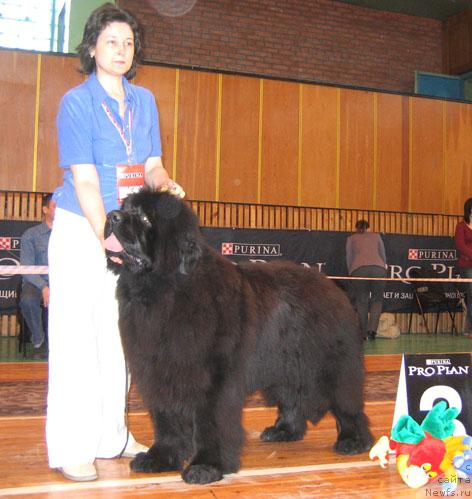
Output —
<point x="467" y="287"/>
<point x="368" y="296"/>
<point x="30" y="304"/>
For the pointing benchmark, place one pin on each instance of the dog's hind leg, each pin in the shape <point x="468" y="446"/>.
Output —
<point x="172" y="445"/>
<point x="352" y="424"/>
<point x="290" y="424"/>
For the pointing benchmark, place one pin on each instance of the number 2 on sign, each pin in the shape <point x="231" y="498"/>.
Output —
<point x="447" y="393"/>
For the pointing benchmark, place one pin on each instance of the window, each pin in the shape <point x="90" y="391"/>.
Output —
<point x="34" y="24"/>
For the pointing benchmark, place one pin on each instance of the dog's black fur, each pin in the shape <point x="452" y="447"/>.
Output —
<point x="201" y="333"/>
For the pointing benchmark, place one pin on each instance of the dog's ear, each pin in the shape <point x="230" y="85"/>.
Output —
<point x="168" y="206"/>
<point x="190" y="251"/>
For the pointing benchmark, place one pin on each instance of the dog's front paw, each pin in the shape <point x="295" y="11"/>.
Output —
<point x="275" y="434"/>
<point x="149" y="462"/>
<point x="353" y="445"/>
<point x="201" y="474"/>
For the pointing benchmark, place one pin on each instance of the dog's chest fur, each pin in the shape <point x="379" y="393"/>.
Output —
<point x="166" y="337"/>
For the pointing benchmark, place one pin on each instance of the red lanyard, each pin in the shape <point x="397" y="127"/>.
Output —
<point x="128" y="143"/>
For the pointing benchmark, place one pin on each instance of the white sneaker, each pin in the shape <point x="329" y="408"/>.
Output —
<point x="132" y="449"/>
<point x="80" y="473"/>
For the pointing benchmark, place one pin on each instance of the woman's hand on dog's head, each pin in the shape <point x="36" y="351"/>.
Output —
<point x="173" y="188"/>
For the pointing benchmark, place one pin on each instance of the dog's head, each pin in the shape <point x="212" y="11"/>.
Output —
<point x="153" y="231"/>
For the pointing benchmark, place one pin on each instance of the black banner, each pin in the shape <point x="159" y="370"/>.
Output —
<point x="325" y="250"/>
<point x="430" y="378"/>
<point x="10" y="245"/>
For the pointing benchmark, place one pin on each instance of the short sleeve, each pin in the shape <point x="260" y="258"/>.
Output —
<point x="74" y="131"/>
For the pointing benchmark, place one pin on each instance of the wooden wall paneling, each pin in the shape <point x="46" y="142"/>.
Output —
<point x="319" y="138"/>
<point x="298" y="144"/>
<point x="227" y="216"/>
<point x="20" y="205"/>
<point x="404" y="223"/>
<point x="260" y="216"/>
<point x="390" y="223"/>
<point x="315" y="219"/>
<point x="269" y="217"/>
<point x="332" y="220"/>
<point x="279" y="173"/>
<point x="458" y="156"/>
<point x="349" y="221"/>
<point x="302" y="222"/>
<point x="320" y="220"/>
<point x="374" y="220"/>
<point x="251" y="214"/>
<point x="274" y="217"/>
<point x="49" y="174"/>
<point x="239" y="139"/>
<point x="3" y="205"/>
<point x="426" y="161"/>
<point x="356" y="172"/>
<point x="397" y="223"/>
<point x="162" y="83"/>
<point x="17" y="102"/>
<point x="196" y="134"/>
<point x="292" y="222"/>
<point x="391" y="161"/>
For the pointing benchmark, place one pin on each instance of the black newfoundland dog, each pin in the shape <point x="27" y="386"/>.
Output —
<point x="201" y="333"/>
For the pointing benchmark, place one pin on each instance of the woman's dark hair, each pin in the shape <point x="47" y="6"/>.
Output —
<point x="467" y="209"/>
<point x="98" y="20"/>
<point x="362" y="226"/>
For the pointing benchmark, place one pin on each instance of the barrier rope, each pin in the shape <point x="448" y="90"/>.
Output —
<point x="23" y="269"/>
<point x="36" y="269"/>
<point x="403" y="279"/>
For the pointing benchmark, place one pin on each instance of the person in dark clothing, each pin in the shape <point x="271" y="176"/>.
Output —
<point x="365" y="257"/>
<point x="463" y="241"/>
<point x="35" y="288"/>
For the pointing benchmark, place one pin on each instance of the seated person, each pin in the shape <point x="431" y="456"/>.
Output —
<point x="35" y="289"/>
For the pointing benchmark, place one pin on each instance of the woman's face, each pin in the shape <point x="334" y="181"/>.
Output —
<point x="114" y="50"/>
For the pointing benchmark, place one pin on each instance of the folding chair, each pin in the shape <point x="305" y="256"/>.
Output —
<point x="431" y="297"/>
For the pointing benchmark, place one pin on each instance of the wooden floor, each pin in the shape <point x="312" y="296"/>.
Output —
<point x="284" y="470"/>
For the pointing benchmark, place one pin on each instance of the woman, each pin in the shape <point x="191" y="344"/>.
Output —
<point x="463" y="240"/>
<point x="109" y="145"/>
<point x="365" y="257"/>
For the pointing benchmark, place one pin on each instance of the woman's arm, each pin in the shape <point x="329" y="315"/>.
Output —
<point x="157" y="178"/>
<point x="87" y="188"/>
<point x="155" y="175"/>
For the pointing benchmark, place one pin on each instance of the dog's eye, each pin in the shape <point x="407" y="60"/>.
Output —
<point x="146" y="221"/>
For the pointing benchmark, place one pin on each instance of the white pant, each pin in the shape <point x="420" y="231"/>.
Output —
<point x="87" y="374"/>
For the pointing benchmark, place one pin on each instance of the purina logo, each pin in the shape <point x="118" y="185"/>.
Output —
<point x="432" y="254"/>
<point x="248" y="249"/>
<point x="438" y="362"/>
<point x="10" y="243"/>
